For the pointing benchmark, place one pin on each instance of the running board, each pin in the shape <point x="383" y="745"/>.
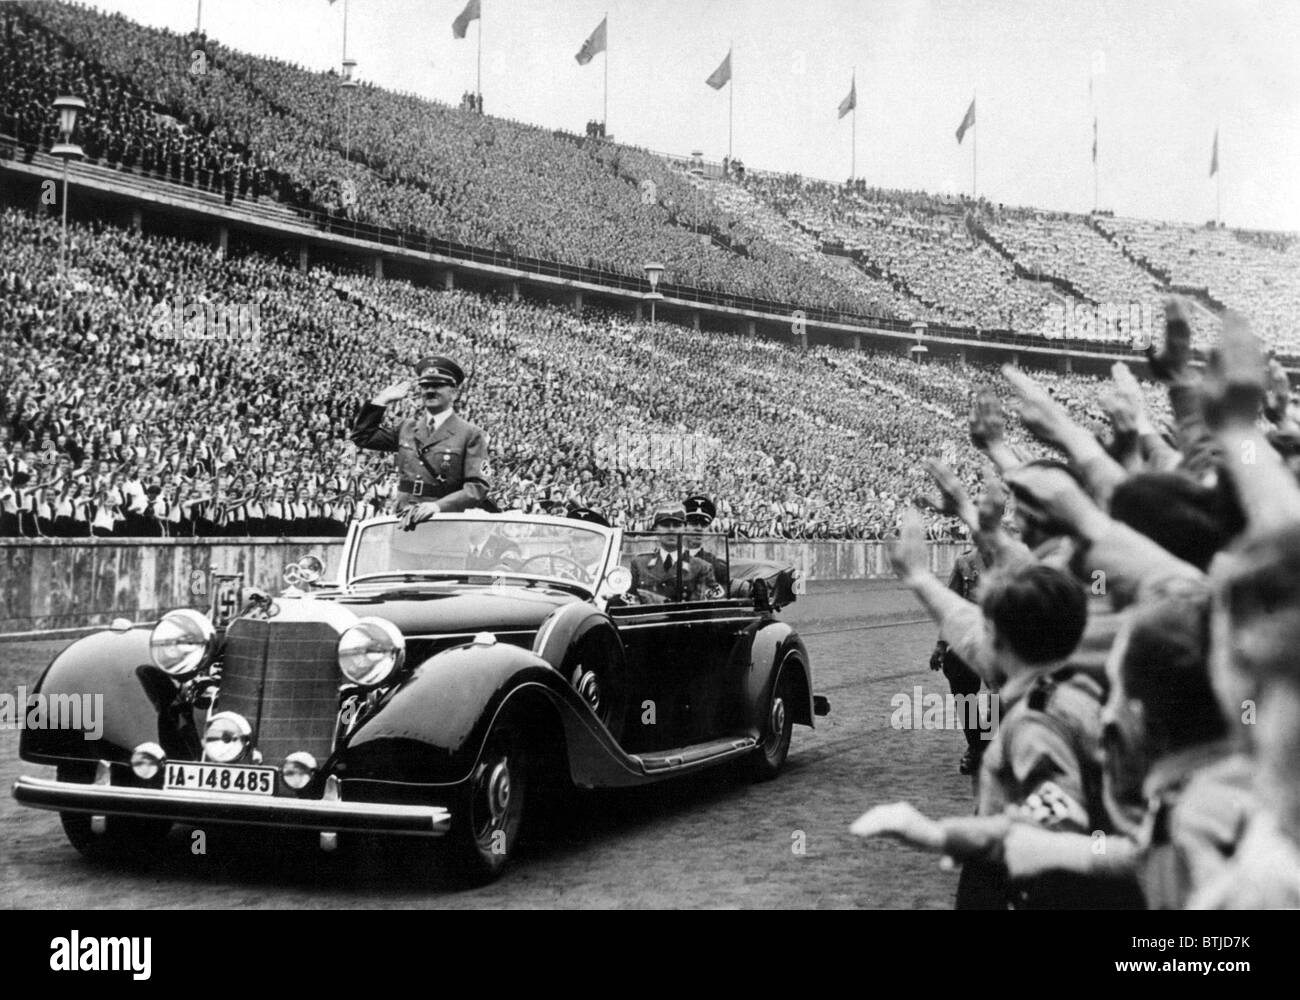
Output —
<point x="667" y="760"/>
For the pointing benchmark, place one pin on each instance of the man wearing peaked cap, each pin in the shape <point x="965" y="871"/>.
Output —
<point x="658" y="573"/>
<point x="700" y="512"/>
<point x="442" y="461"/>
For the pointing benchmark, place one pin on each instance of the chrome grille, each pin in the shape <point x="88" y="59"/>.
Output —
<point x="283" y="678"/>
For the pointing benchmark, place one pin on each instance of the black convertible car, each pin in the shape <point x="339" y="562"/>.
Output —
<point x="428" y="690"/>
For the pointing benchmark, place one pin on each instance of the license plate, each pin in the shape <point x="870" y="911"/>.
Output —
<point x="221" y="778"/>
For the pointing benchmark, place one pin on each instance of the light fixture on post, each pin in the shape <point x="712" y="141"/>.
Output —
<point x="348" y="83"/>
<point x="68" y="109"/>
<point x="918" y="350"/>
<point x="652" y="271"/>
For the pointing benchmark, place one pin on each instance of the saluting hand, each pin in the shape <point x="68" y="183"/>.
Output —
<point x="393" y="393"/>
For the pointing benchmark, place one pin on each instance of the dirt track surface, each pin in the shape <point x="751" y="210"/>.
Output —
<point x="715" y="840"/>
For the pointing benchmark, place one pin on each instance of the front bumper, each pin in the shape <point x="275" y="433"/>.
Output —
<point x="331" y="815"/>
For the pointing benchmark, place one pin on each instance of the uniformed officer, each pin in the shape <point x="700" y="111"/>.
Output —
<point x="700" y="513"/>
<point x="657" y="572"/>
<point x="961" y="678"/>
<point x="442" y="460"/>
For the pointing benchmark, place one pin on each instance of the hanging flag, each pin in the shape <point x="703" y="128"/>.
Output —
<point x="719" y="77"/>
<point x="1214" y="156"/>
<point x="461" y="24"/>
<point x="850" y="102"/>
<point x="1094" y="138"/>
<point x="593" y="45"/>
<point x="966" y="122"/>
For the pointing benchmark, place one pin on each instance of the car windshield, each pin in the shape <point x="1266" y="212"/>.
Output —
<point x="450" y="546"/>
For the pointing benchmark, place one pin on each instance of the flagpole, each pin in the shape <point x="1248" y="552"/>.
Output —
<point x="974" y="145"/>
<point x="731" y="97"/>
<point x="1218" y="182"/>
<point x="604" y="114"/>
<point x="853" y="155"/>
<point x="478" y="71"/>
<point x="345" y="29"/>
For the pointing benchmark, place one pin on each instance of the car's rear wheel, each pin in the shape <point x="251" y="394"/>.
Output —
<point x="488" y="815"/>
<point x="778" y="724"/>
<point x="115" y="839"/>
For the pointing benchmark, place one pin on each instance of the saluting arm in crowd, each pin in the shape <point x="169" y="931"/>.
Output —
<point x="1232" y="395"/>
<point x="1129" y="559"/>
<point x="1047" y="420"/>
<point x="961" y="623"/>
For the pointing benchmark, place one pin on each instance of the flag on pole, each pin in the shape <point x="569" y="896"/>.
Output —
<point x="719" y="77"/>
<point x="461" y="24"/>
<point x="1094" y="138"/>
<point x="850" y="102"/>
<point x="967" y="121"/>
<point x="593" y="45"/>
<point x="1214" y="156"/>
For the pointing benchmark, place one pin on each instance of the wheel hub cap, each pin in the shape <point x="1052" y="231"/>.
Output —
<point x="778" y="716"/>
<point x="498" y="790"/>
<point x="589" y="689"/>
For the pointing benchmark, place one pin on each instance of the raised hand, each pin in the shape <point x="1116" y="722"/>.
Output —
<point x="396" y="391"/>
<point x="908" y="553"/>
<point x="1232" y="391"/>
<point x="953" y="499"/>
<point x="1042" y="415"/>
<point x="1171" y="363"/>
<point x="987" y="424"/>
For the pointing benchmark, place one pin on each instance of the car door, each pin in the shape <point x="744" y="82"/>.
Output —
<point x="682" y="661"/>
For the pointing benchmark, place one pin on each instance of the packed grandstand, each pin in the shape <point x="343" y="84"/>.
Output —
<point x="122" y="423"/>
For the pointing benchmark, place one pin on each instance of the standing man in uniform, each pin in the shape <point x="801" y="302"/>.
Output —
<point x="442" y="462"/>
<point x="961" y="678"/>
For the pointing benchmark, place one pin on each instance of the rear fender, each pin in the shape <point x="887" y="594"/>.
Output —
<point x="777" y="647"/>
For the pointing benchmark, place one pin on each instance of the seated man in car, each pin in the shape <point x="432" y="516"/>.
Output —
<point x="489" y="549"/>
<point x="588" y="550"/>
<point x="700" y="512"/>
<point x="655" y="574"/>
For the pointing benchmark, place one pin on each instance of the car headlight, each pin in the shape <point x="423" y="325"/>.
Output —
<point x="226" y="737"/>
<point x="298" y="769"/>
<point x="147" y="759"/>
<point x="371" y="651"/>
<point x="182" y="641"/>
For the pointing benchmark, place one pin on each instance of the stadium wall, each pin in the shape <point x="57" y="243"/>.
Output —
<point x="58" y="586"/>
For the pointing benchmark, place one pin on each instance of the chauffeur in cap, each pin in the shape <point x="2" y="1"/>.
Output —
<point x="656" y="572"/>
<point x="442" y="460"/>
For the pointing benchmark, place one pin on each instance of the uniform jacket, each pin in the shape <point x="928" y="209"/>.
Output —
<point x="698" y="582"/>
<point x="451" y="461"/>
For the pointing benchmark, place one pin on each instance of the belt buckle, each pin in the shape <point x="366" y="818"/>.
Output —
<point x="417" y="488"/>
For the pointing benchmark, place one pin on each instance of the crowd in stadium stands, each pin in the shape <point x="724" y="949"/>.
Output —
<point x="189" y="110"/>
<point x="118" y="127"/>
<point x="1137" y="629"/>
<point x="1255" y="274"/>
<point x="186" y="421"/>
<point x="926" y="249"/>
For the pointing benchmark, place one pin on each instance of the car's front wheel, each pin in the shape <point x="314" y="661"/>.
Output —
<point x="488" y="814"/>
<point x="778" y="725"/>
<point x="115" y="839"/>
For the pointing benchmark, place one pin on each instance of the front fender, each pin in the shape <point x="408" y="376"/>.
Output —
<point x="118" y="698"/>
<point x="777" y="646"/>
<point x="430" y="730"/>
